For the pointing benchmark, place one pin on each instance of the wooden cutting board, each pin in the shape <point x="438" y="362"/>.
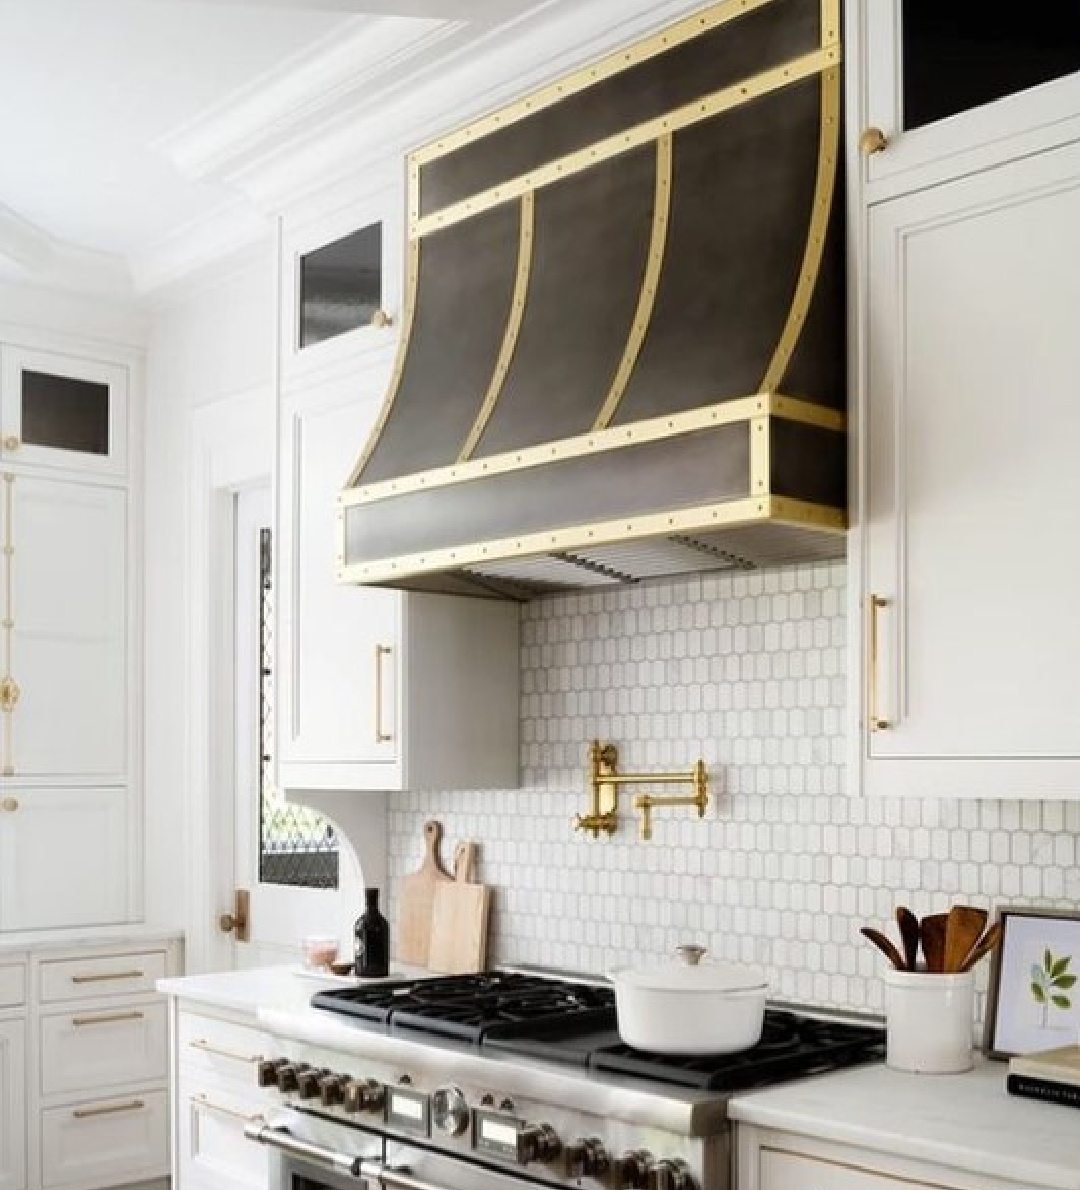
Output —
<point x="459" y="923"/>
<point x="416" y="900"/>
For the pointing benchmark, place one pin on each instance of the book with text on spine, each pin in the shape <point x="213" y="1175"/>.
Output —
<point x="1052" y="1075"/>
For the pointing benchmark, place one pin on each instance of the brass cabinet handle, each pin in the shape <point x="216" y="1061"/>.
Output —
<point x="381" y="736"/>
<point x="108" y="1019"/>
<point x="106" y="976"/>
<point x="9" y="805"/>
<point x="872" y="141"/>
<point x="876" y="723"/>
<point x="9" y="694"/>
<point x="111" y="1109"/>
<point x="11" y="442"/>
<point x="201" y="1101"/>
<point x="200" y="1043"/>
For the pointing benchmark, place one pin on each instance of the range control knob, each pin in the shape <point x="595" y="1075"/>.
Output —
<point x="288" y="1075"/>
<point x="267" y="1071"/>
<point x="450" y="1110"/>
<point x="307" y="1083"/>
<point x="632" y="1169"/>
<point x="670" y="1174"/>
<point x="538" y="1142"/>
<point x="587" y="1158"/>
<point x="364" y="1094"/>
<point x="332" y="1089"/>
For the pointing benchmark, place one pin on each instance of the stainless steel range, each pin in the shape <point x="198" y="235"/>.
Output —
<point x="492" y="1081"/>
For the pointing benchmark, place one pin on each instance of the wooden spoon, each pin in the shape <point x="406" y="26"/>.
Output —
<point x="886" y="947"/>
<point x="983" y="947"/>
<point x="932" y="937"/>
<point x="963" y="929"/>
<point x="909" y="932"/>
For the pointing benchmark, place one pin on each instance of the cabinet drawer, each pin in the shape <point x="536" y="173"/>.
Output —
<point x="214" y="1152"/>
<point x="112" y="975"/>
<point x="106" y="1142"/>
<point x="100" y="1048"/>
<point x="221" y="1048"/>
<point x="12" y="985"/>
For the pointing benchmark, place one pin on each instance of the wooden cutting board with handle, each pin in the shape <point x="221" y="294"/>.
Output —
<point x="416" y="900"/>
<point x="459" y="924"/>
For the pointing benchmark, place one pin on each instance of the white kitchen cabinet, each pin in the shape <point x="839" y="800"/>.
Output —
<point x="64" y="412"/>
<point x="931" y="110"/>
<point x="68" y="612"/>
<point x="12" y="1105"/>
<point x="969" y="535"/>
<point x="377" y="689"/>
<point x="63" y="857"/>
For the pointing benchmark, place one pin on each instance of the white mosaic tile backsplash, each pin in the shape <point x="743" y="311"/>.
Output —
<point x="749" y="672"/>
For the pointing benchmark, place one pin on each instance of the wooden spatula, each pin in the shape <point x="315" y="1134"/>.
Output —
<point x="983" y="947"/>
<point x="909" y="932"/>
<point x="932" y="937"/>
<point x="963" y="929"/>
<point x="885" y="945"/>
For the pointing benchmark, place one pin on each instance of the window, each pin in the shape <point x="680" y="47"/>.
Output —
<point x="340" y="285"/>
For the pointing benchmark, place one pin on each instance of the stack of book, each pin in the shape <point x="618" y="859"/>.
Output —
<point x="1053" y="1075"/>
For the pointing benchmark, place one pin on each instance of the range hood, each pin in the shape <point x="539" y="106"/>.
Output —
<point x="623" y="344"/>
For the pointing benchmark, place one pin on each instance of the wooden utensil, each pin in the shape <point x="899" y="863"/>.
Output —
<point x="932" y="937"/>
<point x="983" y="947"/>
<point x="886" y="946"/>
<point x="459" y="923"/>
<point x="963" y="929"/>
<point x="417" y="900"/>
<point x="909" y="932"/>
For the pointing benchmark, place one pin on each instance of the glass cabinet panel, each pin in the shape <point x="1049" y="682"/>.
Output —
<point x="65" y="413"/>
<point x="340" y="285"/>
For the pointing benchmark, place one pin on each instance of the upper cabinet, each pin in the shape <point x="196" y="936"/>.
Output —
<point x="63" y="412"/>
<point x="965" y="554"/>
<point x="951" y="88"/>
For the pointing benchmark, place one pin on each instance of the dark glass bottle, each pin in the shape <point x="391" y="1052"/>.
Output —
<point x="372" y="939"/>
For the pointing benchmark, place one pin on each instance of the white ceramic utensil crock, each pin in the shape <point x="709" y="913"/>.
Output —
<point x="690" y="1007"/>
<point x="929" y="1021"/>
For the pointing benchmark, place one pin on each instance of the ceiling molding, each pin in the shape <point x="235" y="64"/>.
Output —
<point x="28" y="253"/>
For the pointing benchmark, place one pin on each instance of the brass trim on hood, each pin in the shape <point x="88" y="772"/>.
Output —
<point x="513" y="326"/>
<point x="686" y="116"/>
<point x="650" y="282"/>
<point x="761" y="405"/>
<point x="748" y="511"/>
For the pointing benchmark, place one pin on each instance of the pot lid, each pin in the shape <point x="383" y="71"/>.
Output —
<point x="689" y="974"/>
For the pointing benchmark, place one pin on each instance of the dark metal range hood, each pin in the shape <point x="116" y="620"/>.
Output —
<point x="623" y="344"/>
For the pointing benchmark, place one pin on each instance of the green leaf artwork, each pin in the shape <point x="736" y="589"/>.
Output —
<point x="1049" y="983"/>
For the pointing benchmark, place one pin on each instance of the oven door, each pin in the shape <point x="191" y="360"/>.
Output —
<point x="307" y="1153"/>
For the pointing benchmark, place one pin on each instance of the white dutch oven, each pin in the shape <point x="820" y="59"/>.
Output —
<point x="690" y="1007"/>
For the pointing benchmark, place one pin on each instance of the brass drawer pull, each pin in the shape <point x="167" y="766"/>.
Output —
<point x="200" y="1043"/>
<point x="107" y="976"/>
<point x="876" y="723"/>
<point x="381" y="736"/>
<point x="111" y="1109"/>
<point x="201" y="1101"/>
<point x="9" y="695"/>
<point x="9" y="805"/>
<point x="109" y="1019"/>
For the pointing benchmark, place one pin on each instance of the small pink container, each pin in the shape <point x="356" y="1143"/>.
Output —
<point x="319" y="951"/>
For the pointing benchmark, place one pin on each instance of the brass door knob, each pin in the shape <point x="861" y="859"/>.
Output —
<point x="872" y="141"/>
<point x="228" y="923"/>
<point x="9" y="805"/>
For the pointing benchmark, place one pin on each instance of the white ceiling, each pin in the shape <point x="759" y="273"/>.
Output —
<point x="89" y="88"/>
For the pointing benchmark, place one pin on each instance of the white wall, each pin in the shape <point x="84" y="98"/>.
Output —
<point x="210" y="342"/>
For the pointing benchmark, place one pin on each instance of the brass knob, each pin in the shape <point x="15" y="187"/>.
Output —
<point x="228" y="923"/>
<point x="872" y="141"/>
<point x="11" y="442"/>
<point x="380" y="319"/>
<point x="9" y="805"/>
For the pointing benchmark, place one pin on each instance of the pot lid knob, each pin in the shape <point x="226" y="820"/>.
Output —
<point x="690" y="955"/>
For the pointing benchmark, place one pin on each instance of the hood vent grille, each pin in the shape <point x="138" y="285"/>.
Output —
<point x="623" y="344"/>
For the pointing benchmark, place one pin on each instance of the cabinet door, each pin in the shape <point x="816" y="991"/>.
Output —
<point x="971" y="519"/>
<point x="62" y="411"/>
<point x="791" y="1171"/>
<point x="12" y="1106"/>
<point x="67" y="634"/>
<point x="63" y="858"/>
<point x="338" y="659"/>
<point x="951" y="101"/>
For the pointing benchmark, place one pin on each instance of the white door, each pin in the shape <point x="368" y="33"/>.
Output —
<point x="12" y="1106"/>
<point x="285" y="856"/>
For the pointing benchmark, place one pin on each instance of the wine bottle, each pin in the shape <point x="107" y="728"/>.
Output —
<point x="372" y="934"/>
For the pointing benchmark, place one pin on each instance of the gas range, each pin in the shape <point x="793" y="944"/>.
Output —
<point x="509" y="1077"/>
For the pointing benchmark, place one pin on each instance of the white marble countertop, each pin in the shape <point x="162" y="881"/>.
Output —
<point x="962" y="1121"/>
<point x="27" y="941"/>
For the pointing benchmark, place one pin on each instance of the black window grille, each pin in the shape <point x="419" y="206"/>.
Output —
<point x="298" y="847"/>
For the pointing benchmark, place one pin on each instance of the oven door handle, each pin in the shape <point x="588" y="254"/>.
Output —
<point x="391" y="1178"/>
<point x="281" y="1138"/>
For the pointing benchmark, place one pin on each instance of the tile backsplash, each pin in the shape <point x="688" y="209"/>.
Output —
<point x="748" y="671"/>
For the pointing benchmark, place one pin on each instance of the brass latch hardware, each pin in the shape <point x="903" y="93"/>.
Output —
<point x="9" y="695"/>
<point x="238" y="922"/>
<point x="872" y="141"/>
<point x="604" y="782"/>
